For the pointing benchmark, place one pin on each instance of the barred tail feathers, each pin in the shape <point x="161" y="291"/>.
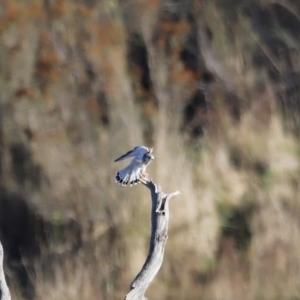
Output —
<point x="128" y="175"/>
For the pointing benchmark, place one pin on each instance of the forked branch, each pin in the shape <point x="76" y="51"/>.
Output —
<point x="159" y="235"/>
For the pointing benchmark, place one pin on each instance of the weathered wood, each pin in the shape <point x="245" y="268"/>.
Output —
<point x="4" y="291"/>
<point x="159" y="235"/>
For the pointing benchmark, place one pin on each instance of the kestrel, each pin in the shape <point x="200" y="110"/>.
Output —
<point x="135" y="171"/>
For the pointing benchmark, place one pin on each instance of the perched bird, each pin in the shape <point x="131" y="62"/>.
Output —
<point x="135" y="171"/>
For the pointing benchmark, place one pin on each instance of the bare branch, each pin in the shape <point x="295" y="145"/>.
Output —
<point x="158" y="240"/>
<point x="4" y="291"/>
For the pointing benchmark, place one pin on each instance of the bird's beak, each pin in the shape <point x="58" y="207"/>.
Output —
<point x="152" y="157"/>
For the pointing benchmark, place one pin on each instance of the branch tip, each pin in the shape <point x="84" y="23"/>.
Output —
<point x="175" y="194"/>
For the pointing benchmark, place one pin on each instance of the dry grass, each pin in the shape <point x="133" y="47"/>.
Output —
<point x="64" y="77"/>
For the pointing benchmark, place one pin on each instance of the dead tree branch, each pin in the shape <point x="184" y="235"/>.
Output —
<point x="4" y="291"/>
<point x="159" y="235"/>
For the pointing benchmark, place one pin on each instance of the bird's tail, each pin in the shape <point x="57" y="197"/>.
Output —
<point x="128" y="176"/>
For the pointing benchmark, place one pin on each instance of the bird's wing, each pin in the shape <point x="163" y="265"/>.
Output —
<point x="140" y="152"/>
<point x="136" y="152"/>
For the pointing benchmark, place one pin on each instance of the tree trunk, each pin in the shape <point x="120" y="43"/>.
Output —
<point x="159" y="235"/>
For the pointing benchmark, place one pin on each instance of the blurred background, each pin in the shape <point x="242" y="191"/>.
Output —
<point x="213" y="86"/>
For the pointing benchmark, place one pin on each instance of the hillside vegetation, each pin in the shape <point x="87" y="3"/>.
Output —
<point x="213" y="86"/>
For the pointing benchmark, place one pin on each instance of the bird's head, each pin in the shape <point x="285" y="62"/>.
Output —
<point x="150" y="155"/>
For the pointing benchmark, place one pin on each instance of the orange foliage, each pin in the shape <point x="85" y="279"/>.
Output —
<point x="48" y="59"/>
<point x="34" y="10"/>
<point x="25" y="92"/>
<point x="58" y="8"/>
<point x="178" y="27"/>
<point x="12" y="12"/>
<point x="46" y="66"/>
<point x="85" y="11"/>
<point x="185" y="75"/>
<point x="109" y="32"/>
